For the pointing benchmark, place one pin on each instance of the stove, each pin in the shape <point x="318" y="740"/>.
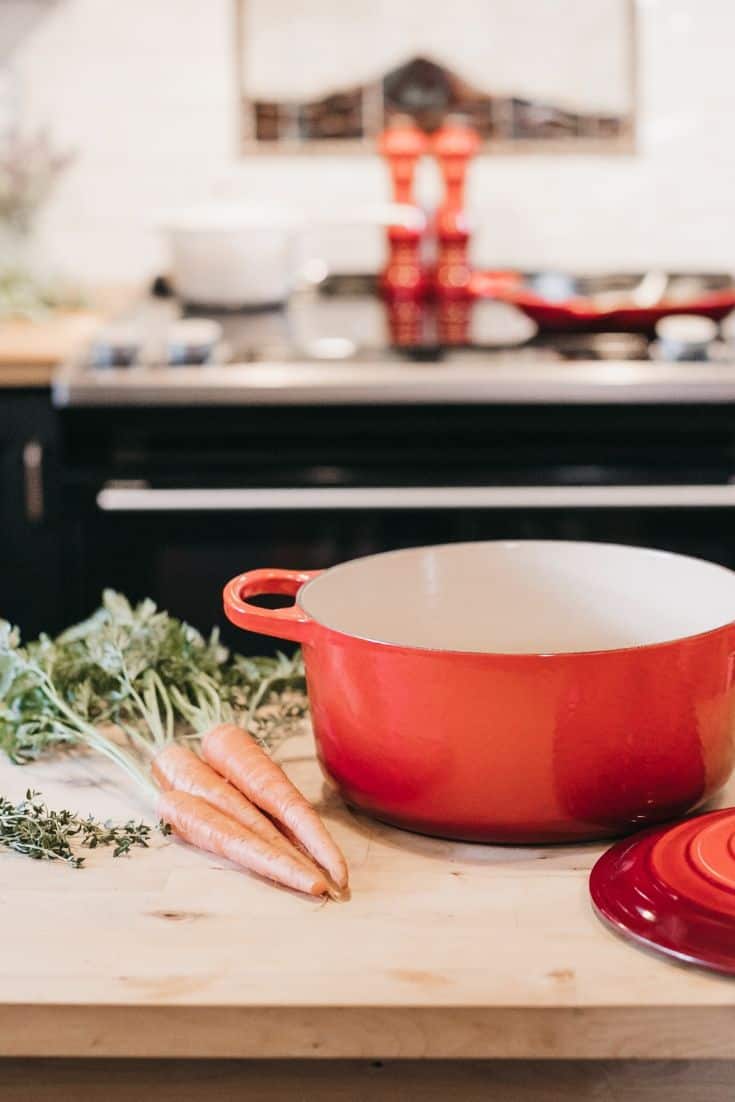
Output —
<point x="341" y="344"/>
<point x="193" y="448"/>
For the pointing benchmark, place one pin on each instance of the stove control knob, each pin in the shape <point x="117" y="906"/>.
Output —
<point x="116" y="346"/>
<point x="684" y="337"/>
<point x="192" y="341"/>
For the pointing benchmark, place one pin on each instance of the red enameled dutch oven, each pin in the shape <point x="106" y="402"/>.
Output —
<point x="527" y="691"/>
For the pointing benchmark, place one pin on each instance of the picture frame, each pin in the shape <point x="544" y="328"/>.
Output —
<point x="348" y="118"/>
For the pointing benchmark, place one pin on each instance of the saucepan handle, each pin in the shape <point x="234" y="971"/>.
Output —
<point x="284" y="623"/>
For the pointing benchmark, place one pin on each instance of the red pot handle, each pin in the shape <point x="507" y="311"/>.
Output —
<point x="285" y="623"/>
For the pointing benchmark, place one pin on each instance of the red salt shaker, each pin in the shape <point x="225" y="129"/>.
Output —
<point x="402" y="144"/>
<point x="453" y="145"/>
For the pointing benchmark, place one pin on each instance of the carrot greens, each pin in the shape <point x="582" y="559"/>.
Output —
<point x="162" y="674"/>
<point x="148" y="691"/>
<point x="48" y="699"/>
<point x="150" y="674"/>
<point x="265" y="696"/>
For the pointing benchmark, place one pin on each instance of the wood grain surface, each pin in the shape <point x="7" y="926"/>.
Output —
<point x="31" y="350"/>
<point x="445" y="950"/>
<point x="34" y="345"/>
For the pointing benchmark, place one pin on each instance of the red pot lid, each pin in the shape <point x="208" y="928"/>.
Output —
<point x="673" y="889"/>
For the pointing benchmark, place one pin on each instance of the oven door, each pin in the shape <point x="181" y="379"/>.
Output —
<point x="180" y="544"/>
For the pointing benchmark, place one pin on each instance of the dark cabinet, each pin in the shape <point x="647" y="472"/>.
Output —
<point x="30" y="572"/>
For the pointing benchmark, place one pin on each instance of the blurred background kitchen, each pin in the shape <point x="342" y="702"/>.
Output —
<point x="283" y="284"/>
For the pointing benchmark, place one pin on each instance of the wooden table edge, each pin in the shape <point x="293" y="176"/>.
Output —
<point x="212" y="1032"/>
<point x="25" y="376"/>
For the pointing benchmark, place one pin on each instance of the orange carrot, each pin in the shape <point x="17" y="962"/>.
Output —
<point x="202" y="825"/>
<point x="178" y="767"/>
<point x="238" y="757"/>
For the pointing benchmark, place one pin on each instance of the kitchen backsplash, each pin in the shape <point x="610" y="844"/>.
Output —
<point x="145" y="93"/>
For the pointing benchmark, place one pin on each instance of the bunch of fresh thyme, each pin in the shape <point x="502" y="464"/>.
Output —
<point x="33" y="829"/>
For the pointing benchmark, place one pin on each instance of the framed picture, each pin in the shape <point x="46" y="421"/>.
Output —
<point x="529" y="75"/>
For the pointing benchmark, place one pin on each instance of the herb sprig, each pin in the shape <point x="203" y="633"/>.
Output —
<point x="152" y="673"/>
<point x="266" y="696"/>
<point x="30" y="827"/>
<point x="47" y="700"/>
<point x="152" y="676"/>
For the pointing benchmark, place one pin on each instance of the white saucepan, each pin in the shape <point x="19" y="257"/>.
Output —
<point x="236" y="255"/>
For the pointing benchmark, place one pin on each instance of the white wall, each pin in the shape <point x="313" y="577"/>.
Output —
<point x="298" y="51"/>
<point x="145" y="92"/>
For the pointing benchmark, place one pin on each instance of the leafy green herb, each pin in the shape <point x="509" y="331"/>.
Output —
<point x="148" y="674"/>
<point x="267" y="695"/>
<point x="161" y="671"/>
<point x="48" y="699"/>
<point x="32" y="828"/>
<point x="133" y="655"/>
<point x="151" y="675"/>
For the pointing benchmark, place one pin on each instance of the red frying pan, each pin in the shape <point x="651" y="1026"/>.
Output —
<point x="590" y="310"/>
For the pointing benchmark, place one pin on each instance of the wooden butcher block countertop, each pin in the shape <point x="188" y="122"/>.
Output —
<point x="30" y="351"/>
<point x="444" y="950"/>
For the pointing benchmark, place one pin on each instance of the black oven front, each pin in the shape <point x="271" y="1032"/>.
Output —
<point x="171" y="502"/>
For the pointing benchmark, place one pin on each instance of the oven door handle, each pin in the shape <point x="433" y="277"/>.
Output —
<point x="115" y="498"/>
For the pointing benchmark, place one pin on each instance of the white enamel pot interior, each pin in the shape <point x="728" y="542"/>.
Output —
<point x="522" y="597"/>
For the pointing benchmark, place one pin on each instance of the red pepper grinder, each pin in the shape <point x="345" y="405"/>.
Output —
<point x="406" y="321"/>
<point x="453" y="317"/>
<point x="402" y="144"/>
<point x="453" y="145"/>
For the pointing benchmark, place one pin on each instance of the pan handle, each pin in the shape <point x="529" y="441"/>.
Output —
<point x="283" y="623"/>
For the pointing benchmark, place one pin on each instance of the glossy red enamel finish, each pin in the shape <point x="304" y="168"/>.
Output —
<point x="511" y="748"/>
<point x="585" y="315"/>
<point x="285" y="623"/>
<point x="673" y="890"/>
